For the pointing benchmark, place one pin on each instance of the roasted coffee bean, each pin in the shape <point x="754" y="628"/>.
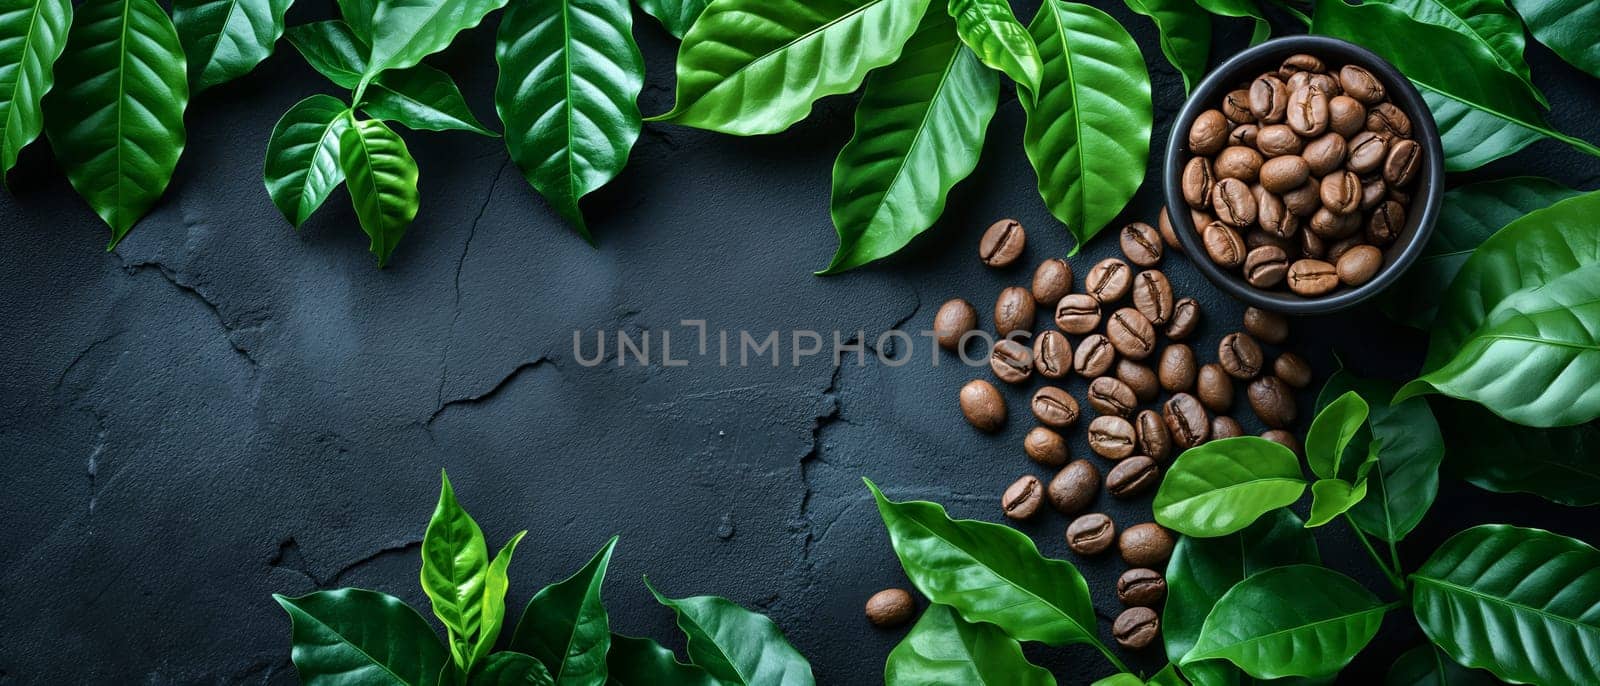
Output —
<point x="1131" y="333"/>
<point x="1268" y="99"/>
<point x="1338" y="248"/>
<point x="1284" y="174"/>
<point x="1186" y="420"/>
<point x="1387" y="119"/>
<point x="1002" y="243"/>
<point x="892" y="607"/>
<point x="1169" y="236"/>
<point x="1359" y="265"/>
<point x="1139" y="378"/>
<point x="1373" y="192"/>
<point x="1243" y="134"/>
<point x="1094" y="356"/>
<point x="1051" y="405"/>
<point x="1399" y="196"/>
<point x="1299" y="63"/>
<point x="1225" y="427"/>
<point x="1346" y="115"/>
<point x="1283" y="438"/>
<point x="1324" y="154"/>
<point x="1013" y="311"/>
<point x="954" y="319"/>
<point x="1368" y="151"/>
<point x="1214" y="387"/>
<point x="1078" y="313"/>
<point x="1074" y="487"/>
<point x="1199" y="218"/>
<point x="1386" y="223"/>
<point x="1400" y="167"/>
<point x="1208" y="133"/>
<point x="1022" y="498"/>
<point x="1146" y="545"/>
<point x="1141" y="244"/>
<point x="1196" y="183"/>
<point x="1257" y="238"/>
<point x="1266" y="326"/>
<point x="1051" y="280"/>
<point x="1275" y="219"/>
<point x="1341" y="192"/>
<point x="1141" y="587"/>
<point x="1331" y="226"/>
<point x="1305" y="200"/>
<point x="1297" y="81"/>
<point x="1360" y="84"/>
<point x="1272" y="400"/>
<point x="1308" y="111"/>
<point x="1239" y="355"/>
<point x="1233" y="202"/>
<point x="1152" y="296"/>
<point x="1185" y="319"/>
<point x="1293" y="369"/>
<point x="1177" y="368"/>
<point x="1237" y="162"/>
<point x="1045" y="447"/>
<point x="1223" y="245"/>
<point x="1011" y="361"/>
<point x="1236" y="107"/>
<point x="1311" y="245"/>
<point x="1266" y="266"/>
<point x="1151" y="431"/>
<point x="1279" y="139"/>
<point x="1091" y="534"/>
<point x="1109" y="396"/>
<point x="1052" y="355"/>
<point x="1328" y="84"/>
<point x="1136" y="628"/>
<point x="1111" y="437"/>
<point x="1311" y="277"/>
<point x="983" y="406"/>
<point x="1108" y="280"/>
<point x="1132" y="476"/>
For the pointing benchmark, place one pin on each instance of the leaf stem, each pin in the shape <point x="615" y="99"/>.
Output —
<point x="1392" y="575"/>
<point x="1394" y="559"/>
<point x="1110" y="656"/>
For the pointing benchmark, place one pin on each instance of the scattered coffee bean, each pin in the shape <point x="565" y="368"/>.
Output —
<point x="1146" y="545"/>
<point x="1013" y="311"/>
<point x="1078" y="313"/>
<point x="1177" y="368"/>
<point x="1214" y="388"/>
<point x="1293" y="369"/>
<point x="1141" y="587"/>
<point x="1269" y="327"/>
<point x="1002" y="243"/>
<point x="1052" y="355"/>
<point x="1109" y="396"/>
<point x="1186" y="421"/>
<point x="1094" y="356"/>
<point x="1141" y="244"/>
<point x="1283" y="438"/>
<point x="1021" y="499"/>
<point x="1091" y="534"/>
<point x="955" y="318"/>
<point x="1045" y="447"/>
<point x="1185" y="319"/>
<point x="1309" y="277"/>
<point x="1136" y="628"/>
<point x="1108" y="280"/>
<point x="1132" y="476"/>
<point x="1011" y="361"/>
<point x="1074" y="487"/>
<point x="983" y="406"/>
<point x="1225" y="427"/>
<point x="1240" y="356"/>
<point x="1152" y="434"/>
<point x="890" y="607"/>
<point x="1131" y="333"/>
<point x="1051" y="405"/>
<point x="1272" y="400"/>
<point x="1152" y="296"/>
<point x="1140" y="378"/>
<point x="1051" y="280"/>
<point x="1111" y="437"/>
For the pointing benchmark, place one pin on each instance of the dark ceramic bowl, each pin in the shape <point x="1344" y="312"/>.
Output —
<point x="1420" y="216"/>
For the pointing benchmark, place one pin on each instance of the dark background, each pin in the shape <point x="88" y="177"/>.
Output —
<point x="225" y="408"/>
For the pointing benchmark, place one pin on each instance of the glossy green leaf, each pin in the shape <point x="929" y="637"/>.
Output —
<point x="993" y="33"/>
<point x="225" y="39"/>
<point x="942" y="648"/>
<point x="1168" y="676"/>
<point x="302" y="165"/>
<point x="738" y="647"/>
<point x="359" y="14"/>
<point x="1567" y="27"/>
<point x="1331" y="431"/>
<point x="115" y="119"/>
<point x="643" y="662"/>
<point x="512" y="669"/>
<point x="1088" y="131"/>
<point x="1489" y="23"/>
<point x="1185" y="35"/>
<point x="1333" y="497"/>
<point x="353" y="636"/>
<point x="751" y="67"/>
<point x="675" y="15"/>
<point x="495" y="584"/>
<point x="382" y="179"/>
<point x="569" y="78"/>
<point x="920" y="128"/>
<point x="1455" y="66"/>
<point x="1410" y="447"/>
<point x="405" y="31"/>
<point x="1558" y="465"/>
<point x="1521" y="603"/>
<point x="1223" y="486"/>
<point x="1424" y="665"/>
<point x="1468" y="216"/>
<point x="1472" y="138"/>
<point x="455" y="559"/>
<point x="1203" y="569"/>
<point x="989" y="573"/>
<point x="1246" y="9"/>
<point x="333" y="49"/>
<point x="423" y="99"/>
<point x="1271" y="627"/>
<point x="566" y="627"/>
<point x="32" y="35"/>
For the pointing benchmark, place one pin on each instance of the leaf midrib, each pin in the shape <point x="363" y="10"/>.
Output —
<point x="1077" y="117"/>
<point x="1472" y="32"/>
<point x="738" y="73"/>
<point x="16" y="86"/>
<point x="1450" y="586"/>
<point x="1237" y="485"/>
<point x="922" y="128"/>
<point x="1192" y="656"/>
<point x="345" y="640"/>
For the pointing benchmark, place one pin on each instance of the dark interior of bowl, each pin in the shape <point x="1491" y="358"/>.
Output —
<point x="1421" y="214"/>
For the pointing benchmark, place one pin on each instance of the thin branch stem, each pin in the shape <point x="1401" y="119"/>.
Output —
<point x="1394" y="579"/>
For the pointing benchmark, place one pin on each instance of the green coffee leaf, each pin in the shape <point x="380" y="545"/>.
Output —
<point x="115" y="120"/>
<point x="1489" y="23"/>
<point x="920" y="128"/>
<point x="1331" y="431"/>
<point x="643" y="662"/>
<point x="225" y="39"/>
<point x="1567" y="27"/>
<point x="355" y="636"/>
<point x="382" y="180"/>
<point x="750" y="67"/>
<point x="423" y="99"/>
<point x="1185" y="35"/>
<point x="32" y="36"/>
<point x="676" y="16"/>
<point x="565" y="625"/>
<point x="1493" y="454"/>
<point x="1223" y="486"/>
<point x="1270" y="627"/>
<point x="512" y="669"/>
<point x="403" y="32"/>
<point x="993" y="33"/>
<point x="1333" y="497"/>
<point x="738" y="647"/>
<point x="495" y="584"/>
<point x="455" y="560"/>
<point x="333" y="49"/>
<point x="942" y="648"/>
<point x="302" y="165"/>
<point x="1409" y="450"/>
<point x="569" y="77"/>
<point x="1518" y="602"/>
<point x="1246" y="9"/>
<point x="1424" y="665"/>
<point x="1472" y="137"/>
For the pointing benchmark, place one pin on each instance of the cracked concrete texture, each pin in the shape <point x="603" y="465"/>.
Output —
<point x="226" y="408"/>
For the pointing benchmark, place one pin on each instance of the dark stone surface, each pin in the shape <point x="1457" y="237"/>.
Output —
<point x="225" y="408"/>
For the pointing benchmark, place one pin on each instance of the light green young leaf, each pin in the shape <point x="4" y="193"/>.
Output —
<point x="1567" y="27"/>
<point x="302" y="166"/>
<point x="1408" y="446"/>
<point x="1185" y="35"/>
<point x="455" y="560"/>
<point x="1088" y="130"/>
<point x="1223" y="486"/>
<point x="225" y="39"/>
<point x="737" y="646"/>
<point x="675" y="15"/>
<point x="1270" y="627"/>
<point x="495" y="584"/>
<point x="993" y="33"/>
<point x="32" y="36"/>
<point x="1333" y="497"/>
<point x="565" y="625"/>
<point x="643" y="662"/>
<point x="942" y="648"/>
<point x="920" y="128"/>
<point x="405" y="31"/>
<point x="1331" y="431"/>
<point x="382" y="180"/>
<point x="355" y="636"/>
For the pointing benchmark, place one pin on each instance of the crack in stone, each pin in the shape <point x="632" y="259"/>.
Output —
<point x="80" y="357"/>
<point x="490" y="394"/>
<point x="466" y="247"/>
<point x="228" y="328"/>
<point x="288" y="556"/>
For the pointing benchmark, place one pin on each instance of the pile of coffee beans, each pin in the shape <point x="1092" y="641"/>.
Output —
<point x="1302" y="177"/>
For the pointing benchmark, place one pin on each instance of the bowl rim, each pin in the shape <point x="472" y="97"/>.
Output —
<point x="1420" y="224"/>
